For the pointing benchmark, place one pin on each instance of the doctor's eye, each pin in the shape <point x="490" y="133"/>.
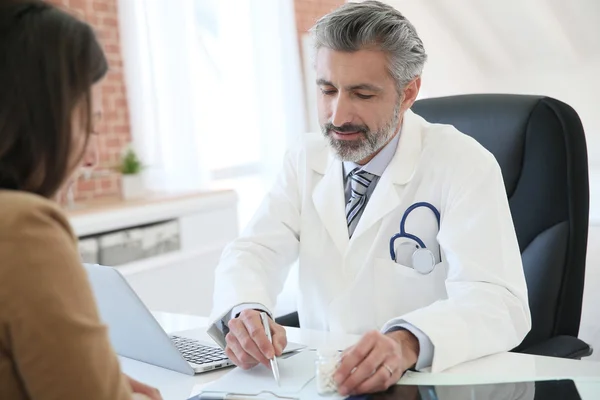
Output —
<point x="328" y="92"/>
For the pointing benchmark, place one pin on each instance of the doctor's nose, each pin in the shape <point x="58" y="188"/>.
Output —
<point x="341" y="112"/>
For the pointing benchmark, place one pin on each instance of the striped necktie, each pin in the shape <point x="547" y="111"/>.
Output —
<point x="359" y="183"/>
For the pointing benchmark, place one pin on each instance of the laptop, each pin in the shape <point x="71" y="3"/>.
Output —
<point x="135" y="333"/>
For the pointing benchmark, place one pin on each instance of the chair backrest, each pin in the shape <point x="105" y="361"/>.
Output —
<point x="540" y="145"/>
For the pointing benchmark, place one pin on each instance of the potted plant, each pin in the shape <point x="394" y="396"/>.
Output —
<point x="132" y="183"/>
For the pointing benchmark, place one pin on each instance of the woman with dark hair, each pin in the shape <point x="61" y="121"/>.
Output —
<point x="52" y="342"/>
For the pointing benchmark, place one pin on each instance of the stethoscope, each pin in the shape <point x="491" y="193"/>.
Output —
<point x="423" y="260"/>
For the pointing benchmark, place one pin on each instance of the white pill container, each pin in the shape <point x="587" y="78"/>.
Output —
<point x="326" y="364"/>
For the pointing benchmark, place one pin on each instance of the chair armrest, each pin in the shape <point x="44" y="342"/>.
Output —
<point x="561" y="346"/>
<point x="291" y="320"/>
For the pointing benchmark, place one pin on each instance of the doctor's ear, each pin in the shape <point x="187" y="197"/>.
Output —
<point x="410" y="93"/>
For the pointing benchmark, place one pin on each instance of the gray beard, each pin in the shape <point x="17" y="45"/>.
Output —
<point x="371" y="142"/>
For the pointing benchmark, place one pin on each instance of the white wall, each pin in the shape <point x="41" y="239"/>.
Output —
<point x="534" y="47"/>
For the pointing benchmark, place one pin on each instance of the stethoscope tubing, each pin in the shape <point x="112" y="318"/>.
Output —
<point x="404" y="234"/>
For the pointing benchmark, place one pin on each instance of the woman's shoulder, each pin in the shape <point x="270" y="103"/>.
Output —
<point x="23" y="212"/>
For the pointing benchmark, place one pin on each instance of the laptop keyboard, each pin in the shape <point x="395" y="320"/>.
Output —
<point x="195" y="352"/>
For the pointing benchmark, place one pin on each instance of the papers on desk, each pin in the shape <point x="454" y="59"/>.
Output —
<point x="295" y="372"/>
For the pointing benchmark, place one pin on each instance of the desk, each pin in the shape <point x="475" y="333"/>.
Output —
<point x="492" y="369"/>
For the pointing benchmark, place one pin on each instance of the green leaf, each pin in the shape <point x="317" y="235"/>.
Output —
<point x="130" y="163"/>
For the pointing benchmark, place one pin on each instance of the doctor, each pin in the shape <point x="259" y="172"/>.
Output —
<point x="401" y="228"/>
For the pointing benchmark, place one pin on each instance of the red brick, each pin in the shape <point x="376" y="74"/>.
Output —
<point x="109" y="89"/>
<point x="116" y="65"/>
<point x="113" y="143"/>
<point x="108" y="38"/>
<point x="104" y="158"/>
<point x="109" y="115"/>
<point x="113" y="7"/>
<point x="112" y="57"/>
<point x="107" y="184"/>
<point x="309" y="11"/>
<point x="110" y="21"/>
<point x="121" y="129"/>
<point x="122" y="114"/>
<point x="83" y="196"/>
<point x="74" y="4"/>
<point x="112" y="49"/>
<point x="100" y="6"/>
<point x="120" y="102"/>
<point x="93" y="20"/>
<point x="86" y="184"/>
<point x="114" y="127"/>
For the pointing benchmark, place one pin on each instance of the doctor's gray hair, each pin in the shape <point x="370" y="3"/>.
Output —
<point x="374" y="25"/>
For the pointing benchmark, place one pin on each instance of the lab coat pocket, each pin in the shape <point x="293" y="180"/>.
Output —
<point x="400" y="289"/>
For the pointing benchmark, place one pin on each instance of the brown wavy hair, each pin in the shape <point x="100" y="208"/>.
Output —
<point x="49" y="61"/>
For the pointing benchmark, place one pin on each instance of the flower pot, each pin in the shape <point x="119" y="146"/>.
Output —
<point x="132" y="186"/>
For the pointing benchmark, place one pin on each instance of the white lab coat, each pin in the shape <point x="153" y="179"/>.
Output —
<point x="474" y="303"/>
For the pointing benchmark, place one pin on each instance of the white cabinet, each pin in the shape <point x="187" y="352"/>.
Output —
<point x="179" y="281"/>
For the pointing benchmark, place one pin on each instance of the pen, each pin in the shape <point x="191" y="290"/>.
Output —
<point x="265" y="321"/>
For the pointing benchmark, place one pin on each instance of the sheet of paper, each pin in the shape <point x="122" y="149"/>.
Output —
<point x="295" y="372"/>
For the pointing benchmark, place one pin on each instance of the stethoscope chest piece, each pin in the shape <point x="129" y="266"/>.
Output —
<point x="423" y="261"/>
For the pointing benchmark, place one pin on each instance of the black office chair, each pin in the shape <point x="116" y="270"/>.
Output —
<point x="540" y="145"/>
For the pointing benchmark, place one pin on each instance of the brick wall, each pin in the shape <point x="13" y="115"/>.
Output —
<point x="114" y="129"/>
<point x="309" y="11"/>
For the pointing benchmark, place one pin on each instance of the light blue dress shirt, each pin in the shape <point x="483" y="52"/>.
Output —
<point x="377" y="166"/>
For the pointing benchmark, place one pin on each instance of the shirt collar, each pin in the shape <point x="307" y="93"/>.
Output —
<point x="379" y="163"/>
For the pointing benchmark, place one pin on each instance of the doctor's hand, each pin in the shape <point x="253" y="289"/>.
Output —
<point x="247" y="342"/>
<point x="376" y="362"/>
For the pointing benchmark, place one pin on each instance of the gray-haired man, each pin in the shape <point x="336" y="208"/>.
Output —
<point x="448" y="289"/>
